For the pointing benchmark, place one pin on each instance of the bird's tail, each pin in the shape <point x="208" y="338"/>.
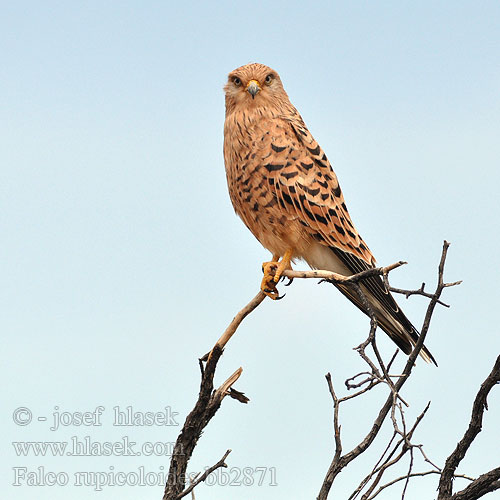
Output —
<point x="390" y="319"/>
<point x="389" y="316"/>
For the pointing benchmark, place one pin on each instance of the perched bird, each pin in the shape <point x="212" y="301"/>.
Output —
<point x="284" y="189"/>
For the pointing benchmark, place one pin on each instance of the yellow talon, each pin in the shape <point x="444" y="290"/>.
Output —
<point x="272" y="273"/>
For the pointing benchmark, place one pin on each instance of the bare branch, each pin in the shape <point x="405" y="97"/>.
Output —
<point x="486" y="483"/>
<point x="402" y="478"/>
<point x="350" y="384"/>
<point x="336" y="426"/>
<point x="420" y="291"/>
<point x="209" y="400"/>
<point x="410" y="468"/>
<point x="206" y="406"/>
<point x="235" y="323"/>
<point x="340" y="278"/>
<point x="338" y="463"/>
<point x="375" y="469"/>
<point x="224" y="388"/>
<point x="480" y="404"/>
<point x="389" y="460"/>
<point x="192" y="486"/>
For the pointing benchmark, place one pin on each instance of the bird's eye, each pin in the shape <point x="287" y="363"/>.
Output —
<point x="269" y="78"/>
<point x="236" y="81"/>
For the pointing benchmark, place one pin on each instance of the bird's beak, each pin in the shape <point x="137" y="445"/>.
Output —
<point x="253" y="88"/>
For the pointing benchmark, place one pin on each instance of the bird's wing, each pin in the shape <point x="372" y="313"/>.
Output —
<point x="306" y="187"/>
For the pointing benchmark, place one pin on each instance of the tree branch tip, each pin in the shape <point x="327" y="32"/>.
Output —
<point x="233" y="378"/>
<point x="455" y="283"/>
<point x="388" y="269"/>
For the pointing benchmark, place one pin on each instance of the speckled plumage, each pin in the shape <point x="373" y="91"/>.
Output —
<point x="284" y="189"/>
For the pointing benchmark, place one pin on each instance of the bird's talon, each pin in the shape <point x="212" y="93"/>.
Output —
<point x="273" y="271"/>
<point x="290" y="281"/>
<point x="279" y="297"/>
<point x="272" y="294"/>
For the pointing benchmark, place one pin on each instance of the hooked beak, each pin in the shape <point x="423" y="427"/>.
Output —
<point x="253" y="88"/>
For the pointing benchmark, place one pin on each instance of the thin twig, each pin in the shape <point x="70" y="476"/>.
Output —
<point x="235" y="323"/>
<point x="402" y="478"/>
<point x="192" y="486"/>
<point x="390" y="461"/>
<point x="336" y="426"/>
<point x="340" y="278"/>
<point x="420" y="291"/>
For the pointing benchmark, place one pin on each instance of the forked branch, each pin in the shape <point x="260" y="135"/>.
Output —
<point x="377" y="372"/>
<point x="380" y="374"/>
<point x="209" y="400"/>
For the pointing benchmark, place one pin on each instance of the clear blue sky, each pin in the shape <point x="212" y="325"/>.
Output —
<point x="122" y="260"/>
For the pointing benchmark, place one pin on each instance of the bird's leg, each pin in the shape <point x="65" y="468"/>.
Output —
<point x="272" y="273"/>
<point x="284" y="264"/>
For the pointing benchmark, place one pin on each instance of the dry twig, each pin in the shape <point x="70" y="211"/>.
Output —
<point x="199" y="479"/>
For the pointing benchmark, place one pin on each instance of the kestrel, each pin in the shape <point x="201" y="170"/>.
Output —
<point x="284" y="189"/>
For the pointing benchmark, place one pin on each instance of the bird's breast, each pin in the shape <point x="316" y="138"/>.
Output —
<point x="251" y="187"/>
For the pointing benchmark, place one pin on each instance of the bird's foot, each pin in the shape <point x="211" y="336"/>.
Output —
<point x="272" y="274"/>
<point x="268" y="285"/>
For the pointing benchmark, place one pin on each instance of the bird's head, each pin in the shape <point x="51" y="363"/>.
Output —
<point x="254" y="86"/>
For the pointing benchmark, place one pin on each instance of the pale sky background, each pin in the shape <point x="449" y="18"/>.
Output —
<point x="122" y="260"/>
